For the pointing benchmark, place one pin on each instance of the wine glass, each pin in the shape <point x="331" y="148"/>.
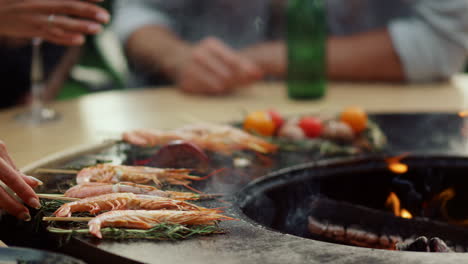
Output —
<point x="37" y="112"/>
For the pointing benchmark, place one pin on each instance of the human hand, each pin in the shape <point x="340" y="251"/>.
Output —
<point x="270" y="56"/>
<point x="19" y="183"/>
<point x="211" y="67"/>
<point x="63" y="22"/>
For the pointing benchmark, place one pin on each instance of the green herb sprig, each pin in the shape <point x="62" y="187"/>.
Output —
<point x="159" y="232"/>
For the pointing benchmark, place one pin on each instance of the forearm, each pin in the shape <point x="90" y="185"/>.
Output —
<point x="368" y="56"/>
<point x="156" y="49"/>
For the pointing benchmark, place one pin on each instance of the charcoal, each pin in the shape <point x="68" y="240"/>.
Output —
<point x="368" y="227"/>
<point x="438" y="245"/>
<point x="420" y="244"/>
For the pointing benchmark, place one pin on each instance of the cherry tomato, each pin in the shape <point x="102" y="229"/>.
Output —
<point x="259" y="122"/>
<point x="277" y="118"/>
<point x="355" y="117"/>
<point x="311" y="126"/>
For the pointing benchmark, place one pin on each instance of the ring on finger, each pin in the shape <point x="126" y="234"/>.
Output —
<point x="51" y="19"/>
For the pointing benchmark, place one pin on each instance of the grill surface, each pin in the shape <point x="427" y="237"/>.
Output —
<point x="248" y="242"/>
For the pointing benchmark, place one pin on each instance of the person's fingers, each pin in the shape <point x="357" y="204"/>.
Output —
<point x="73" y="25"/>
<point x="205" y="58"/>
<point x="250" y="71"/>
<point x="72" y="8"/>
<point x="221" y="50"/>
<point x="4" y="154"/>
<point x="62" y="38"/>
<point x="31" y="181"/>
<point x="246" y="71"/>
<point x="198" y="80"/>
<point x="12" y="206"/>
<point x="14" y="181"/>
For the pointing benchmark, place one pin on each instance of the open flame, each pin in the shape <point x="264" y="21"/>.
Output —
<point x="398" y="168"/>
<point x="393" y="202"/>
<point x="406" y="214"/>
<point x="395" y="165"/>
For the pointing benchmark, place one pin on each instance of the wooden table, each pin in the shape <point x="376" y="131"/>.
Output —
<point x="96" y="117"/>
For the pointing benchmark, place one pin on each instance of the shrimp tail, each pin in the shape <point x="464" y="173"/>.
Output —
<point x="63" y="211"/>
<point x="95" y="227"/>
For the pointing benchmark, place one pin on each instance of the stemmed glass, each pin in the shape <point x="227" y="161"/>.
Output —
<point x="37" y="112"/>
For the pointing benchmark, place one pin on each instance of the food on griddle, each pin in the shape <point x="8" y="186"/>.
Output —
<point x="109" y="173"/>
<point x="91" y="189"/>
<point x="124" y="201"/>
<point x="350" y="132"/>
<point x="179" y="154"/>
<point x="312" y="126"/>
<point x="355" y="117"/>
<point x="218" y="138"/>
<point x="260" y="122"/>
<point x="110" y="188"/>
<point x="292" y="131"/>
<point x="142" y="219"/>
<point x="338" y="130"/>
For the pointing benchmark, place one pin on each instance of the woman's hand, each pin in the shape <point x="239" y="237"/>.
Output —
<point x="19" y="183"/>
<point x="64" y="22"/>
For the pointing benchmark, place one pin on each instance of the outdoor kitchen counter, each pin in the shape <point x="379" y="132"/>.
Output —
<point x="96" y="117"/>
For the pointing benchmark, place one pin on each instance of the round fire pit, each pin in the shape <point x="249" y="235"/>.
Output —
<point x="368" y="202"/>
<point x="274" y="215"/>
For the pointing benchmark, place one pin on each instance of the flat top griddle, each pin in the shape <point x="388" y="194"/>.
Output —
<point x="248" y="242"/>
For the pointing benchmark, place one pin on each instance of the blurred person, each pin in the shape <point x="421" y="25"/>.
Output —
<point x="216" y="46"/>
<point x="59" y="22"/>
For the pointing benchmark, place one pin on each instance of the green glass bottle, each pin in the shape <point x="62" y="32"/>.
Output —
<point x="306" y="40"/>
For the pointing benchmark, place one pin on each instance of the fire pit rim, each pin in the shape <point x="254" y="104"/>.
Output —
<point x="293" y="173"/>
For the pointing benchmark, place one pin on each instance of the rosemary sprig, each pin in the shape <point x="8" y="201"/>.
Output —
<point x="160" y="232"/>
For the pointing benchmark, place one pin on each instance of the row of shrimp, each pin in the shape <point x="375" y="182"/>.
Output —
<point x="117" y="192"/>
<point x="139" y="211"/>
<point x="218" y="138"/>
<point x="109" y="173"/>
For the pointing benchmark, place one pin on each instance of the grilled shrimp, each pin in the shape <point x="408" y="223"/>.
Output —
<point x="109" y="173"/>
<point x="123" y="201"/>
<point x="219" y="138"/>
<point x="141" y="219"/>
<point x="98" y="188"/>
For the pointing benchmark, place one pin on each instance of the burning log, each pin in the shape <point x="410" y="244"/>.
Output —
<point x="352" y="224"/>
